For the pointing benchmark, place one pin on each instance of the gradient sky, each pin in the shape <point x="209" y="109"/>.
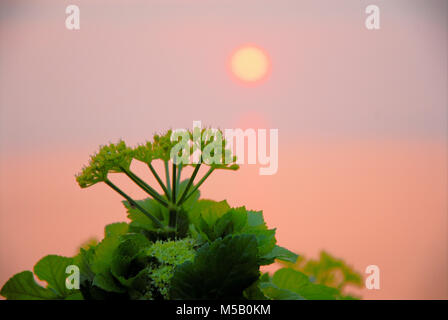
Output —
<point x="362" y="119"/>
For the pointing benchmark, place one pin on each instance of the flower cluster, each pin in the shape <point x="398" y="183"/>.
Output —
<point x="144" y="152"/>
<point x="161" y="148"/>
<point x="118" y="157"/>
<point x="110" y="158"/>
<point x="214" y="149"/>
<point x="167" y="147"/>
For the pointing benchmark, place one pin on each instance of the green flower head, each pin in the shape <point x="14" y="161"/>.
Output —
<point x="116" y="157"/>
<point x="91" y="174"/>
<point x="110" y="158"/>
<point x="214" y="147"/>
<point x="162" y="146"/>
<point x="144" y="152"/>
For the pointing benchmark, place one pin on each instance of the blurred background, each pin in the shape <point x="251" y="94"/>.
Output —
<point x="362" y="119"/>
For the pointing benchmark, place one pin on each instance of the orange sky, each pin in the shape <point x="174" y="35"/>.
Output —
<point x="380" y="203"/>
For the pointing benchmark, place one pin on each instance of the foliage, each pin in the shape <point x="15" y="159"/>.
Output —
<point x="329" y="271"/>
<point x="176" y="245"/>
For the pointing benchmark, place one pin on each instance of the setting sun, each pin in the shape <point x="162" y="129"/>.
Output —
<point x="249" y="63"/>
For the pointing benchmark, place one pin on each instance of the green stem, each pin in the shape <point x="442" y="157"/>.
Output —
<point x="196" y="187"/>
<point x="179" y="171"/>
<point x="190" y="182"/>
<point x="167" y="176"/>
<point x="173" y="219"/>
<point x="173" y="213"/>
<point x="154" y="172"/>
<point x="173" y="196"/>
<point x="147" y="188"/>
<point x="133" y="203"/>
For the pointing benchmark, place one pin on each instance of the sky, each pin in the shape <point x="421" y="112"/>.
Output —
<point x="362" y="120"/>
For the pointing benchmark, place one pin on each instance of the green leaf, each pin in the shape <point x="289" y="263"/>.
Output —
<point x="255" y="219"/>
<point x="254" y="292"/>
<point x="314" y="291"/>
<point x="22" y="286"/>
<point x="106" y="281"/>
<point x="220" y="270"/>
<point x="281" y="253"/>
<point x="299" y="283"/>
<point x="125" y="253"/>
<point x="75" y="296"/>
<point x="273" y="292"/>
<point x="212" y="220"/>
<point x="209" y="210"/>
<point x="332" y="272"/>
<point x="290" y="279"/>
<point x="84" y="260"/>
<point x="52" y="270"/>
<point x="104" y="253"/>
<point x="116" y="229"/>
<point x="266" y="242"/>
<point x="139" y="219"/>
<point x="265" y="237"/>
<point x="232" y="222"/>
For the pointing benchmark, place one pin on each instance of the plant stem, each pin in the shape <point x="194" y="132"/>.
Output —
<point x="190" y="182"/>
<point x="154" y="172"/>
<point x="147" y="188"/>
<point x="173" y="219"/>
<point x="196" y="187"/>
<point x="173" y="212"/>
<point x="179" y="171"/>
<point x="173" y="196"/>
<point x="133" y="203"/>
<point x="167" y="176"/>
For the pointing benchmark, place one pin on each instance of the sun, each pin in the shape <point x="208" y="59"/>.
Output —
<point x="249" y="63"/>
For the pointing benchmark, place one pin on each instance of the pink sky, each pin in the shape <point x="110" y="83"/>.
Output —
<point x="362" y="119"/>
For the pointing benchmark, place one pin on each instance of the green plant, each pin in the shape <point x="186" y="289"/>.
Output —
<point x="329" y="271"/>
<point x="176" y="246"/>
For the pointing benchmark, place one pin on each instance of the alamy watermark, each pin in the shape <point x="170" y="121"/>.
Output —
<point x="222" y="145"/>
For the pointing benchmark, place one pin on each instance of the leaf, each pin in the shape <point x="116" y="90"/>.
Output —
<point x="209" y="210"/>
<point x="299" y="283"/>
<point x="125" y="253"/>
<point x="314" y="291"/>
<point x="52" y="270"/>
<point x="281" y="253"/>
<point x="273" y="292"/>
<point x="212" y="220"/>
<point x="330" y="272"/>
<point x="104" y="253"/>
<point x="84" y="261"/>
<point x="23" y="287"/>
<point x="139" y="219"/>
<point x="232" y="222"/>
<point x="75" y="296"/>
<point x="106" y="281"/>
<point x="266" y="242"/>
<point x="254" y="292"/>
<point x="255" y="219"/>
<point x="116" y="229"/>
<point x="293" y="280"/>
<point x="265" y="237"/>
<point x="220" y="270"/>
